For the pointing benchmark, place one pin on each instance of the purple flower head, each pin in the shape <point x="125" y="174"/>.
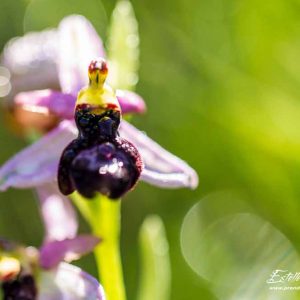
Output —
<point x="76" y="44"/>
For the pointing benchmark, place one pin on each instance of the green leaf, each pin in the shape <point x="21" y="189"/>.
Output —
<point x="156" y="273"/>
<point x="123" y="47"/>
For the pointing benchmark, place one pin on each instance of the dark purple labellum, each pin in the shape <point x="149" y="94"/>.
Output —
<point x="98" y="160"/>
<point x="22" y="288"/>
<point x="111" y="168"/>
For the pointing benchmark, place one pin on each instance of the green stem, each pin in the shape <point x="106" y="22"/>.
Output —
<point x="103" y="215"/>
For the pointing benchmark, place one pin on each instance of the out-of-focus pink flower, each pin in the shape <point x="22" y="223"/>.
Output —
<point x="44" y="274"/>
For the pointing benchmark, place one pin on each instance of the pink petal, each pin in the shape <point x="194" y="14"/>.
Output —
<point x="37" y="164"/>
<point x="47" y="101"/>
<point x="52" y="253"/>
<point x="79" y="44"/>
<point x="31" y="61"/>
<point x="31" y="51"/>
<point x="161" y="168"/>
<point x="68" y="282"/>
<point x="130" y="102"/>
<point x="58" y="214"/>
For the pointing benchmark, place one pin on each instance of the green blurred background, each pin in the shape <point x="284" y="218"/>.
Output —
<point x="222" y="84"/>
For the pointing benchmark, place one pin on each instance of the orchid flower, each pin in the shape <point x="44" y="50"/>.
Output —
<point x="78" y="43"/>
<point x="23" y="275"/>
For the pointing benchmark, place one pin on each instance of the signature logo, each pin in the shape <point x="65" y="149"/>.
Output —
<point x="283" y="276"/>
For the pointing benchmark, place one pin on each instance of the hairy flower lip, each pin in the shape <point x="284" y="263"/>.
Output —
<point x="113" y="169"/>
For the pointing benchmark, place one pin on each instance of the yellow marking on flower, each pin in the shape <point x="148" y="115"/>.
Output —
<point x="98" y="93"/>
<point x="9" y="268"/>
